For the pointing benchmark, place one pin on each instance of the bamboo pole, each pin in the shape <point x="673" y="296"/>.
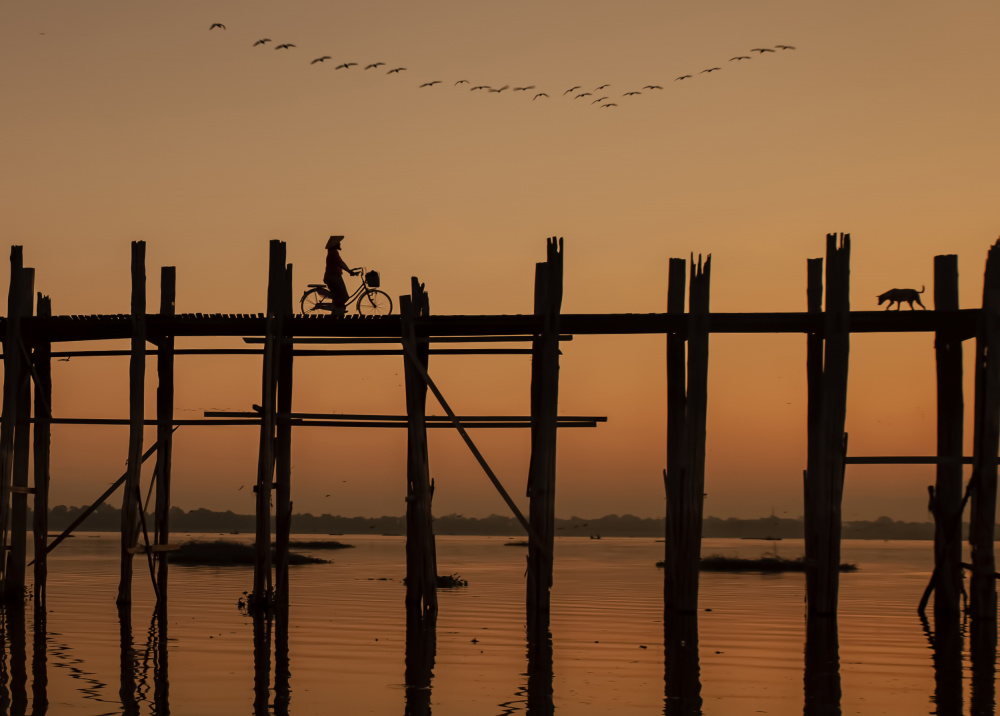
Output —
<point x="42" y="441"/>
<point x="676" y="401"/>
<point x="12" y="360"/>
<point x="982" y="593"/>
<point x="164" y="427"/>
<point x="137" y="376"/>
<point x="421" y="556"/>
<point x="947" y="496"/>
<point x="283" y="443"/>
<point x="17" y="557"/>
<point x="544" y="412"/>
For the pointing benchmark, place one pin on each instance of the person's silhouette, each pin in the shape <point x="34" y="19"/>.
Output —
<point x="334" y="275"/>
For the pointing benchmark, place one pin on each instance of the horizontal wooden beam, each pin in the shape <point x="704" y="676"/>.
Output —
<point x="365" y="416"/>
<point x="371" y="422"/>
<point x="905" y="460"/>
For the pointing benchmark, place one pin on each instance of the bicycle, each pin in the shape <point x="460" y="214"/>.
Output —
<point x="370" y="301"/>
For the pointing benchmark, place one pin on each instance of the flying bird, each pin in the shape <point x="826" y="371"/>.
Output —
<point x="740" y="57"/>
<point x="609" y="104"/>
<point x="571" y="89"/>
<point x="682" y="77"/>
<point x="478" y="87"/>
<point x="710" y="69"/>
<point x="346" y="66"/>
<point x="462" y="82"/>
<point x="321" y="59"/>
<point x="584" y="94"/>
<point x="540" y="94"/>
<point x="785" y="47"/>
<point x="762" y="50"/>
<point x="600" y="99"/>
<point x="398" y="69"/>
<point x="652" y="87"/>
<point x="374" y="64"/>
<point x="523" y="89"/>
<point x="431" y="84"/>
<point x="262" y="41"/>
<point x="501" y="89"/>
<point x="284" y="46"/>
<point x="215" y="25"/>
<point x="629" y="94"/>
<point x="598" y="89"/>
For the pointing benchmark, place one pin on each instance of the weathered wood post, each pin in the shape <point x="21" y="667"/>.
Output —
<point x="421" y="558"/>
<point x="947" y="499"/>
<point x="42" y="361"/>
<point x="544" y="412"/>
<point x="17" y="557"/>
<point x="982" y="593"/>
<point x="824" y="480"/>
<point x="686" y="477"/>
<point x="13" y="369"/>
<point x="164" y="426"/>
<point x="283" y="440"/>
<point x="263" y="594"/>
<point x="137" y="376"/>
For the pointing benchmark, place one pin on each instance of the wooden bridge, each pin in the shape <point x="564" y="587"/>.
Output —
<point x="29" y="332"/>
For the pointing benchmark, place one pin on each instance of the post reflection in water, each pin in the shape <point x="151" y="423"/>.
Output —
<point x="126" y="691"/>
<point x="822" y="666"/>
<point x="540" y="672"/>
<point x="39" y="664"/>
<point x="421" y="649"/>
<point x="681" y="669"/>
<point x="946" y="647"/>
<point x="263" y="624"/>
<point x="983" y="649"/>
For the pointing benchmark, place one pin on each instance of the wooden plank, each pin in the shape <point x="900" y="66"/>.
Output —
<point x="164" y="429"/>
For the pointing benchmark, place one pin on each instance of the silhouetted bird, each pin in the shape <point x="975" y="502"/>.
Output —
<point x="629" y="94"/>
<point x="431" y="84"/>
<point x="65" y="360"/>
<point x="600" y="99"/>
<point x="609" y="104"/>
<point x="262" y="41"/>
<point x="540" y="94"/>
<point x="478" y="87"/>
<point x="598" y="89"/>
<point x="215" y="25"/>
<point x="572" y="89"/>
<point x="741" y="57"/>
<point x="710" y="69"/>
<point x="374" y="64"/>
<point x="762" y="50"/>
<point x="398" y="69"/>
<point x="523" y="89"/>
<point x="324" y="58"/>
<point x="584" y="94"/>
<point x="654" y="86"/>
<point x="285" y="46"/>
<point x="345" y="66"/>
<point x="462" y="82"/>
<point x="499" y="89"/>
<point x="682" y="77"/>
<point x="785" y="47"/>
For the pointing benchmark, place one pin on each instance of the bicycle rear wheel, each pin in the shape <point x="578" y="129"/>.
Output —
<point x="374" y="303"/>
<point x="311" y="301"/>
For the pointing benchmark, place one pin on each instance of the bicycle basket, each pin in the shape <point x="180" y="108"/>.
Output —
<point x="372" y="279"/>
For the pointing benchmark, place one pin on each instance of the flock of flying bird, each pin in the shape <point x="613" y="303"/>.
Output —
<point x="574" y="92"/>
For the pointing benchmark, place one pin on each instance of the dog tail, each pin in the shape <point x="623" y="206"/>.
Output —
<point x="921" y="289"/>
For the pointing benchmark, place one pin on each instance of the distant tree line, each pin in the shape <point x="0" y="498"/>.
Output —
<point x="108" y="519"/>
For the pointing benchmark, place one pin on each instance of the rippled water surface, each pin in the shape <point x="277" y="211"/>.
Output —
<point x="343" y="650"/>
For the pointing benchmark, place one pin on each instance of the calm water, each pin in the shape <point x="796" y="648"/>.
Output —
<point x="343" y="647"/>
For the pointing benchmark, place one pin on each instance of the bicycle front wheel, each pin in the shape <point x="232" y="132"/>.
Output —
<point x="311" y="300"/>
<point x="374" y="303"/>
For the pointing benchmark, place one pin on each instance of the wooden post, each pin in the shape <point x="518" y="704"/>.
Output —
<point x="263" y="594"/>
<point x="681" y="669"/>
<point x="137" y="377"/>
<point x="41" y="359"/>
<point x="814" y="424"/>
<point x="421" y="557"/>
<point x="544" y="413"/>
<point x="13" y="368"/>
<point x="283" y="443"/>
<point x="947" y="497"/>
<point x="17" y="558"/>
<point x="982" y="594"/>
<point x="825" y="477"/>
<point x="676" y="401"/>
<point x="164" y="426"/>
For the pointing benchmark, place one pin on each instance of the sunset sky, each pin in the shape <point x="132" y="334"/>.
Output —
<point x="129" y="121"/>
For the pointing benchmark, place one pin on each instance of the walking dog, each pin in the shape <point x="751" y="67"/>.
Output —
<point x="898" y="295"/>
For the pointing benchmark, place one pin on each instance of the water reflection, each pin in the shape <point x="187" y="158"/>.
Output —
<point x="421" y="649"/>
<point x="264" y="625"/>
<point x="983" y="650"/>
<point x="681" y="668"/>
<point x="946" y="647"/>
<point x="39" y="664"/>
<point x="540" y="674"/>
<point x="822" y="667"/>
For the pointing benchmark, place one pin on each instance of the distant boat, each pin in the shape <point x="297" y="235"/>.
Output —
<point x="595" y="536"/>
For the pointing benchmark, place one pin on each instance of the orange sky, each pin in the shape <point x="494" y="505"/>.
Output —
<point x="128" y="121"/>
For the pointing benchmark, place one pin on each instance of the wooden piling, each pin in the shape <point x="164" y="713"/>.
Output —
<point x="137" y="377"/>
<point x="824" y="485"/>
<point x="544" y="413"/>
<point x="982" y="592"/>
<point x="164" y="426"/>
<point x="676" y="400"/>
<point x="947" y="499"/>
<point x="13" y="368"/>
<point x="17" y="557"/>
<point x="42" y="362"/>
<point x="283" y="442"/>
<point x="421" y="557"/>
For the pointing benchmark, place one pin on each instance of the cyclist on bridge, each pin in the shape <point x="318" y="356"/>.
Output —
<point x="334" y="275"/>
